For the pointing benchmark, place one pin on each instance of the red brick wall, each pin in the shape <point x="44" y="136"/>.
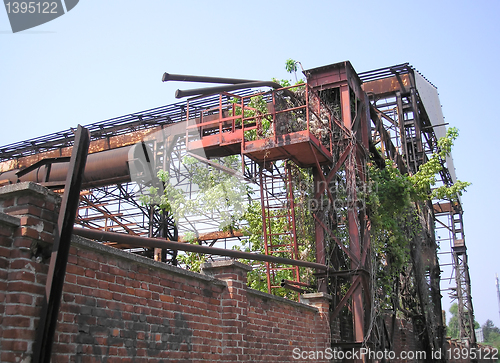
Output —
<point x="119" y="307"/>
<point x="27" y="219"/>
<point x="404" y="339"/>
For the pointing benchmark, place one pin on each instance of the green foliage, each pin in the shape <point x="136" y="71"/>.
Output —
<point x="425" y="179"/>
<point x="219" y="192"/>
<point x="288" y="83"/>
<point x="493" y="340"/>
<point x="302" y="184"/>
<point x="257" y="277"/>
<point x="282" y="82"/>
<point x="190" y="260"/>
<point x="393" y="224"/>
<point x="452" y="329"/>
<point x="255" y="113"/>
<point x="490" y="331"/>
<point x="393" y="204"/>
<point x="291" y="65"/>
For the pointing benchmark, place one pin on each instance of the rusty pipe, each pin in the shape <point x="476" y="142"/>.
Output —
<point x="287" y="286"/>
<point x="290" y="282"/>
<point x="226" y="88"/>
<point x="138" y="241"/>
<point x="187" y="78"/>
<point x="102" y="168"/>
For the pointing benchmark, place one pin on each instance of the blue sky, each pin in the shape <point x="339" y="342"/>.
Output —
<point x="105" y="59"/>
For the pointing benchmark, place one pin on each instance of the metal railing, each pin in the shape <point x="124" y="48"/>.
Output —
<point x="282" y="114"/>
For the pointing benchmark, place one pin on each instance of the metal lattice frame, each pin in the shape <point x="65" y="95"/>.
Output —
<point x="401" y="127"/>
<point x="400" y="116"/>
<point x="147" y="119"/>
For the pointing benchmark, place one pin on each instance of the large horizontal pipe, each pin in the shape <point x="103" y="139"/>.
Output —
<point x="102" y="168"/>
<point x="178" y="246"/>
<point x="187" y="78"/>
<point x="211" y="90"/>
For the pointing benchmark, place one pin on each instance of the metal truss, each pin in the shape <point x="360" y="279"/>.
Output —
<point x="118" y="208"/>
<point x="405" y="135"/>
<point x="399" y="115"/>
<point x="326" y="129"/>
<point x="143" y="120"/>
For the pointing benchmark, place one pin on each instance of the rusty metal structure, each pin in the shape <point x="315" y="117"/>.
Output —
<point x="60" y="249"/>
<point x="408" y="122"/>
<point x="328" y="130"/>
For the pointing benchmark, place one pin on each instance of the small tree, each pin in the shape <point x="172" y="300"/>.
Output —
<point x="490" y="330"/>
<point x="453" y="330"/>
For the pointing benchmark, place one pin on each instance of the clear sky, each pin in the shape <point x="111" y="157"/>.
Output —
<point x="105" y="59"/>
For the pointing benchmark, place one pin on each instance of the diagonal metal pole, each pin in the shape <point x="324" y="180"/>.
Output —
<point x="57" y="269"/>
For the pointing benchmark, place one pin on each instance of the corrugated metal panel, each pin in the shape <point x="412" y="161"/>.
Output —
<point x="430" y="98"/>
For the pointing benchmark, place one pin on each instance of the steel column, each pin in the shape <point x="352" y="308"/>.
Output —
<point x="57" y="269"/>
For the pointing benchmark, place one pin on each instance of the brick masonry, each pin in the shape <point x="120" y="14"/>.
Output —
<point x="119" y="307"/>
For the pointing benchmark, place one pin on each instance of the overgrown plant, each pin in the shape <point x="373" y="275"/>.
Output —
<point x="426" y="177"/>
<point x="291" y="67"/>
<point x="255" y="113"/>
<point x="392" y="226"/>
<point x="216" y="193"/>
<point x="393" y="204"/>
<point x="304" y="234"/>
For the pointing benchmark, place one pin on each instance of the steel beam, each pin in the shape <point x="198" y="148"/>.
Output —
<point x="57" y="269"/>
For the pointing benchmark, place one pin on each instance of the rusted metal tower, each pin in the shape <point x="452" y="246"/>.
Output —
<point x="287" y="134"/>
<point x="340" y="87"/>
<point x="408" y="122"/>
<point x="325" y="128"/>
<point x="330" y="126"/>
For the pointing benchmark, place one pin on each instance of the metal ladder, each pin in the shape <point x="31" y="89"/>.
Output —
<point x="278" y="222"/>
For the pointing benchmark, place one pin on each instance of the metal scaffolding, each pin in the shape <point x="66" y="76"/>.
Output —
<point x="328" y="128"/>
<point x="407" y="112"/>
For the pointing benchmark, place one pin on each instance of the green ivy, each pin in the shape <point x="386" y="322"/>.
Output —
<point x="291" y="65"/>
<point x="393" y="204"/>
<point x="392" y="225"/>
<point x="257" y="277"/>
<point x="425" y="179"/>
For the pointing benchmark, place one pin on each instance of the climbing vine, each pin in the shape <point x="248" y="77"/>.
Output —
<point x="392" y="226"/>
<point x="393" y="204"/>
<point x="304" y="234"/>
<point x="425" y="179"/>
